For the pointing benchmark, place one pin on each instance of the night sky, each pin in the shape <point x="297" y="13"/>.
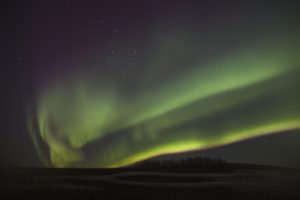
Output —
<point x="107" y="83"/>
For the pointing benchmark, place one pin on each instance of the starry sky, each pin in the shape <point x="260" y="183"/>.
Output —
<point x="110" y="83"/>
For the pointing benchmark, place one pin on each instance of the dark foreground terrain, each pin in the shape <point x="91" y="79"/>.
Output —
<point x="221" y="181"/>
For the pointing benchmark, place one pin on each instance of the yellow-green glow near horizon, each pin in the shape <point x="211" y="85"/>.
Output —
<point x="86" y="122"/>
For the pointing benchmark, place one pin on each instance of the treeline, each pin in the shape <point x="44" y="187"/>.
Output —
<point x="191" y="161"/>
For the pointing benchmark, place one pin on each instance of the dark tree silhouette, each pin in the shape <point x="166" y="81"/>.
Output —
<point x="190" y="161"/>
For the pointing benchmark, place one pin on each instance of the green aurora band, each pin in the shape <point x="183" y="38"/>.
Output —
<point x="87" y="122"/>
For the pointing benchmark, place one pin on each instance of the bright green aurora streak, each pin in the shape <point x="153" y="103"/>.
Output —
<point x="85" y="122"/>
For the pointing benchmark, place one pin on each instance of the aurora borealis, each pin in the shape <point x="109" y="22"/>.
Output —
<point x="178" y="79"/>
<point x="190" y="114"/>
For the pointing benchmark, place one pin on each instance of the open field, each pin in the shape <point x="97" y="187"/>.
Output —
<point x="218" y="181"/>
